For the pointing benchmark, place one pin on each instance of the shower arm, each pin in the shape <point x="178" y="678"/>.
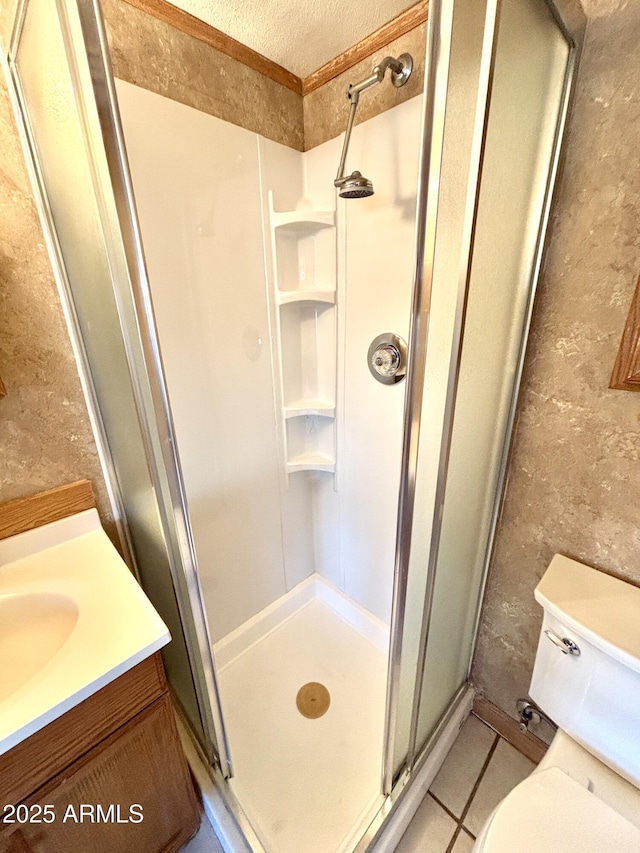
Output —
<point x="340" y="177"/>
<point x="400" y="72"/>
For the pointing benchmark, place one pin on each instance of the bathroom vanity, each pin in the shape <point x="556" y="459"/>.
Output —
<point x="119" y="749"/>
<point x="90" y="757"/>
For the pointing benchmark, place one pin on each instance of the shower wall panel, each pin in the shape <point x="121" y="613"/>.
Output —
<point x="196" y="180"/>
<point x="356" y="525"/>
<point x="201" y="188"/>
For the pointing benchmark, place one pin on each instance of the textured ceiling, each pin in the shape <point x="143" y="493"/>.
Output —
<point x="299" y="36"/>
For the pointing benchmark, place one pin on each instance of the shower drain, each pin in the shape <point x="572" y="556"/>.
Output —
<point x="313" y="700"/>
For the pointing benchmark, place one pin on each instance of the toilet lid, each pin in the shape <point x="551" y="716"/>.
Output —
<point x="551" y="813"/>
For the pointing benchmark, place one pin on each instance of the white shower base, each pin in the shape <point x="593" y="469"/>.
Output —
<point x="307" y="786"/>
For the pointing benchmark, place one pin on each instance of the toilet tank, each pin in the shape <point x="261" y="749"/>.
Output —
<point x="593" y="694"/>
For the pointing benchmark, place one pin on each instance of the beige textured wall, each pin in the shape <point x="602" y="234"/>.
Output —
<point x="326" y="109"/>
<point x="155" y="56"/>
<point x="575" y="464"/>
<point x="45" y="435"/>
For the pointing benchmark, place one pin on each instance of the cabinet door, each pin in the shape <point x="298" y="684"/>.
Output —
<point x="57" y="747"/>
<point x="139" y="780"/>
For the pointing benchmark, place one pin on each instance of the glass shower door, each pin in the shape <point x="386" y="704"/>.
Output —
<point x="531" y="62"/>
<point x="65" y="106"/>
<point x="503" y="94"/>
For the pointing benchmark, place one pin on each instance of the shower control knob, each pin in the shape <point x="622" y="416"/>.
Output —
<point x="387" y="358"/>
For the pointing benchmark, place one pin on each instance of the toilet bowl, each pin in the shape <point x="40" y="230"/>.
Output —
<point x="571" y="803"/>
<point x="584" y="796"/>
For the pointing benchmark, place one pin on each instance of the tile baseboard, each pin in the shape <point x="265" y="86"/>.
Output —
<point x="498" y="720"/>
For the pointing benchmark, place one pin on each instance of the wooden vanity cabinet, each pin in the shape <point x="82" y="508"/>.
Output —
<point x="119" y="750"/>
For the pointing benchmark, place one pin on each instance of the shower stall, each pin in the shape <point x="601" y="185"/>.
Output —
<point x="303" y="391"/>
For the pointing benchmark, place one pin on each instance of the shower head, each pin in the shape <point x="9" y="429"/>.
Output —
<point x="356" y="186"/>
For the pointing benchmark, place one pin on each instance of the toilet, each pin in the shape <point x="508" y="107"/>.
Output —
<point x="584" y="796"/>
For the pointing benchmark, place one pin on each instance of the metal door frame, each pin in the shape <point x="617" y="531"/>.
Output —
<point x="83" y="32"/>
<point x="572" y="23"/>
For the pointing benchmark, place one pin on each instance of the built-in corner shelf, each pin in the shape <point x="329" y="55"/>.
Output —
<point x="304" y="221"/>
<point x="308" y="408"/>
<point x="303" y="250"/>
<point x="310" y="462"/>
<point x="322" y="297"/>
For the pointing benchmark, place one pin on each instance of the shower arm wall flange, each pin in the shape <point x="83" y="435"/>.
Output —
<point x="400" y="68"/>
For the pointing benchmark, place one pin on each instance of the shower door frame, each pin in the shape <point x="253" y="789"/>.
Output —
<point x="572" y="24"/>
<point x="155" y="421"/>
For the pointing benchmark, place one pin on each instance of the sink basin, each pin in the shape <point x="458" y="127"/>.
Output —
<point x="33" y="628"/>
<point x="72" y="619"/>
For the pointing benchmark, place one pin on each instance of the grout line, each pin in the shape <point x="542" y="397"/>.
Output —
<point x="460" y="829"/>
<point x="474" y="790"/>
<point x="459" y="825"/>
<point x="443" y="807"/>
<point x="454" y="838"/>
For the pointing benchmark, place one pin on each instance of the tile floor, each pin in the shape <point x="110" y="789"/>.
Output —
<point x="479" y="771"/>
<point x="204" y="842"/>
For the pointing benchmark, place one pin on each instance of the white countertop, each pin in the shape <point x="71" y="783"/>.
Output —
<point x="64" y="584"/>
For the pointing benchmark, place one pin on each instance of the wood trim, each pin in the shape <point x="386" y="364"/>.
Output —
<point x="525" y="742"/>
<point x="399" y="26"/>
<point x="626" y="370"/>
<point x="25" y="514"/>
<point x="192" y="26"/>
<point x="3" y="390"/>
